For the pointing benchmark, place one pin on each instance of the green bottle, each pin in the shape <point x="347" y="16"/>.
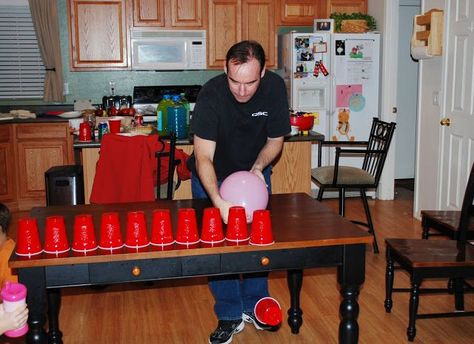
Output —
<point x="187" y="107"/>
<point x="162" y="114"/>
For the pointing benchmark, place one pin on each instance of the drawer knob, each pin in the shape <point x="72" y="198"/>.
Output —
<point x="136" y="271"/>
<point x="265" y="261"/>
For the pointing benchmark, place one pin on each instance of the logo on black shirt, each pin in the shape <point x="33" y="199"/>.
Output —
<point x="260" y="113"/>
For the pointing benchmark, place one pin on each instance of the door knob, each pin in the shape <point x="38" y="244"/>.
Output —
<point x="445" y="121"/>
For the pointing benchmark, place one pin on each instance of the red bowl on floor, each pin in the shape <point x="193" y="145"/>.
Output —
<point x="302" y="122"/>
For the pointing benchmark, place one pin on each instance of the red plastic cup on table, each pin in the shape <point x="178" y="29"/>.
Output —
<point x="136" y="235"/>
<point x="110" y="234"/>
<point x="261" y="230"/>
<point x="114" y="125"/>
<point x="55" y="237"/>
<point x="28" y="241"/>
<point x="84" y="239"/>
<point x="161" y="230"/>
<point x="212" y="233"/>
<point x="237" y="231"/>
<point x="187" y="233"/>
<point x="268" y="311"/>
<point x="85" y="132"/>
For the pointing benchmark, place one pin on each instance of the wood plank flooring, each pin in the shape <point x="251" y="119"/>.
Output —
<point x="180" y="311"/>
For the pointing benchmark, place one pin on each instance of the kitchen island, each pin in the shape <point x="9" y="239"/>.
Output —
<point x="291" y="172"/>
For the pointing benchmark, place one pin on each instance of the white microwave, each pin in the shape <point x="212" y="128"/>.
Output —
<point x="154" y="49"/>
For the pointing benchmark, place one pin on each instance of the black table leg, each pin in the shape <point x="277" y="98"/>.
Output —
<point x="54" y="303"/>
<point x="34" y="280"/>
<point x="295" y="314"/>
<point x="350" y="275"/>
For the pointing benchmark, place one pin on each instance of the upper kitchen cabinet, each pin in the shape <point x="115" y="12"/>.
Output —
<point x="186" y="14"/>
<point x="7" y="167"/>
<point x="299" y="12"/>
<point x="98" y="34"/>
<point x="230" y="21"/>
<point x="345" y="6"/>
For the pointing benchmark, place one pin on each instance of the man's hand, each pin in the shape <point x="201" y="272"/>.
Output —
<point x="12" y="320"/>
<point x="259" y="174"/>
<point x="224" y="206"/>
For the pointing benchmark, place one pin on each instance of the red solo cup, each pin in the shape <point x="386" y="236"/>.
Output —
<point x="136" y="235"/>
<point x="168" y="247"/>
<point x="85" y="132"/>
<point x="237" y="231"/>
<point x="161" y="232"/>
<point x="84" y="234"/>
<point x="212" y="244"/>
<point x="28" y="241"/>
<point x="187" y="233"/>
<point x="55" y="238"/>
<point x="110" y="234"/>
<point x="114" y="125"/>
<point x="268" y="311"/>
<point x="261" y="234"/>
<point x="211" y="230"/>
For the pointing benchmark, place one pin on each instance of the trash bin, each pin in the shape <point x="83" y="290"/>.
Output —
<point x="64" y="185"/>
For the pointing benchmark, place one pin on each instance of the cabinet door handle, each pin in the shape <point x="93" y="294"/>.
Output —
<point x="265" y="261"/>
<point x="136" y="271"/>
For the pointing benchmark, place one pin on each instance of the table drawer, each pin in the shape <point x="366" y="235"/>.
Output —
<point x="134" y="270"/>
<point x="58" y="276"/>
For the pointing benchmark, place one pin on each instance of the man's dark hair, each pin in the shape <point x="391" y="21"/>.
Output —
<point x="243" y="51"/>
<point x="4" y="217"/>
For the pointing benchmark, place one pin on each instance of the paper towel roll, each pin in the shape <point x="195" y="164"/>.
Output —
<point x="420" y="53"/>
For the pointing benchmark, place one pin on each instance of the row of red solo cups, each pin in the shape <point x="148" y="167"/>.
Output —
<point x="84" y="239"/>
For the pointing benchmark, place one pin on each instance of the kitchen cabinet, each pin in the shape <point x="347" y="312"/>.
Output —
<point x="180" y="14"/>
<point x="345" y="6"/>
<point x="230" y="21"/>
<point x="32" y="149"/>
<point x="99" y="34"/>
<point x="299" y="12"/>
<point x="7" y="167"/>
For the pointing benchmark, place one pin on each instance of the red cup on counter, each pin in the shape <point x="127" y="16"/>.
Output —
<point x="85" y="132"/>
<point x="55" y="238"/>
<point x="136" y="234"/>
<point x="261" y="233"/>
<point x="110" y="234"/>
<point x="237" y="231"/>
<point x="161" y="232"/>
<point x="187" y="233"/>
<point x="84" y="239"/>
<point x="114" y="125"/>
<point x="211" y="230"/>
<point x="28" y="241"/>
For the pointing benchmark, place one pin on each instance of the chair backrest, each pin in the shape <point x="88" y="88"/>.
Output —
<point x="379" y="141"/>
<point x="467" y="209"/>
<point x="172" y="163"/>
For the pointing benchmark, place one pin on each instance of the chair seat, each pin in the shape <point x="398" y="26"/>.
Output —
<point x="346" y="175"/>
<point x="420" y="253"/>
<point x="445" y="221"/>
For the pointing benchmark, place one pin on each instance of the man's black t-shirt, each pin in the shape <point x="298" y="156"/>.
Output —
<point x="240" y="130"/>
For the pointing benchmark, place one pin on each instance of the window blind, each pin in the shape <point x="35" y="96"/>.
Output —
<point x="21" y="66"/>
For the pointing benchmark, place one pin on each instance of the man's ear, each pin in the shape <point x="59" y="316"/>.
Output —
<point x="225" y="68"/>
<point x="263" y="72"/>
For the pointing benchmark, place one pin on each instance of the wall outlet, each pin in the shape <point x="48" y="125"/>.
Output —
<point x="66" y="89"/>
<point x="435" y="98"/>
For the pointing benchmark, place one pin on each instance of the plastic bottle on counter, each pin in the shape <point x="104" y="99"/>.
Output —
<point x="187" y="107"/>
<point x="177" y="118"/>
<point x="162" y="114"/>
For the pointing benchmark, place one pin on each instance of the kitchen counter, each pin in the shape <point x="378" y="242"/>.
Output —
<point x="291" y="172"/>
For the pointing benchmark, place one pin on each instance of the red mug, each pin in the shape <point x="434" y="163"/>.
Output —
<point x="85" y="132"/>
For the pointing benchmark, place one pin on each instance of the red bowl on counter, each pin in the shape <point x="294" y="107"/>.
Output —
<point x="302" y="122"/>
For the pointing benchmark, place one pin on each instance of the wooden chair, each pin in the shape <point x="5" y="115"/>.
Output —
<point x="170" y="186"/>
<point x="444" y="222"/>
<point x="363" y="178"/>
<point x="425" y="259"/>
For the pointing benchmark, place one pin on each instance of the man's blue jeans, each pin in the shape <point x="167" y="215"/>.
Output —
<point x="235" y="294"/>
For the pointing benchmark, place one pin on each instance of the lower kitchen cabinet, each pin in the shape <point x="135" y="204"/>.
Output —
<point x="32" y="149"/>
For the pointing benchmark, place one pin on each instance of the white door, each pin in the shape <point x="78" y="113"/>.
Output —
<point x="457" y="139"/>
<point x="407" y="94"/>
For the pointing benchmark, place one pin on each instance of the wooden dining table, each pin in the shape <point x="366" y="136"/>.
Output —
<point x="307" y="234"/>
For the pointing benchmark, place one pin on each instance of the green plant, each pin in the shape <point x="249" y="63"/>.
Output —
<point x="339" y="17"/>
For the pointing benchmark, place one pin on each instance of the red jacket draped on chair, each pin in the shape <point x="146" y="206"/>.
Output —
<point x="126" y="169"/>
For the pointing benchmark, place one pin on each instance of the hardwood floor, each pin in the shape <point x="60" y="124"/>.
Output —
<point x="180" y="311"/>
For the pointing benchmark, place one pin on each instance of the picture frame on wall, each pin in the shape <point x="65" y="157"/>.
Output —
<point x="323" y="25"/>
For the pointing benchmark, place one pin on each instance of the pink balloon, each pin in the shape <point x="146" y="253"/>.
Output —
<point x="245" y="189"/>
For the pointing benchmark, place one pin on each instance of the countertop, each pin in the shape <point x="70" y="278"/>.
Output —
<point x="313" y="136"/>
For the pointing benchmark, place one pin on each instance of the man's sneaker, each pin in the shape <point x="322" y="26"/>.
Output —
<point x="225" y="330"/>
<point x="249" y="317"/>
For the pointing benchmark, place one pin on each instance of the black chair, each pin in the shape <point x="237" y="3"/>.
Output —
<point x="170" y="185"/>
<point x="444" y="223"/>
<point x="434" y="259"/>
<point x="366" y="177"/>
